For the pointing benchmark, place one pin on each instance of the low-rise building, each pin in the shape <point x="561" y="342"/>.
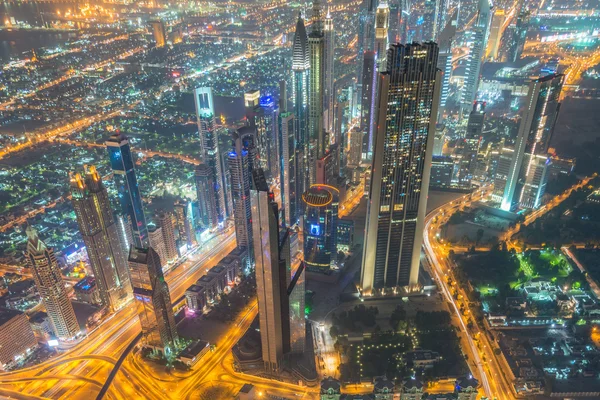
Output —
<point x="40" y="323"/>
<point x="412" y="389"/>
<point x="219" y="273"/>
<point x="86" y="291"/>
<point x="195" y="298"/>
<point x="209" y="284"/>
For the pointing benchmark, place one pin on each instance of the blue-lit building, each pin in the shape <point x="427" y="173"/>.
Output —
<point x="321" y="204"/>
<point x="209" y="178"/>
<point x="238" y="160"/>
<point x="122" y="165"/>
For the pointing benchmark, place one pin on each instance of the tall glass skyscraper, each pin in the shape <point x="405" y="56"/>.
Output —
<point x="316" y="130"/>
<point x="300" y="72"/>
<point x="50" y="285"/>
<point x="382" y="24"/>
<point x="272" y="253"/>
<point x="153" y="300"/>
<point x="477" y="38"/>
<point x="289" y="161"/>
<point x="445" y="41"/>
<point x="527" y="177"/>
<point x="329" y="58"/>
<point x="209" y="154"/>
<point x="122" y="164"/>
<point x="99" y="231"/>
<point x="240" y="191"/>
<point x="408" y="100"/>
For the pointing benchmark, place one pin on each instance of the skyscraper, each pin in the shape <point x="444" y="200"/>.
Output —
<point x="48" y="279"/>
<point x="123" y="168"/>
<point x="477" y="38"/>
<point x="240" y="191"/>
<point x="272" y="274"/>
<point x="300" y="75"/>
<point x="316" y="130"/>
<point x="320" y="227"/>
<point x="157" y="242"/>
<point x="99" y="231"/>
<point x="207" y="203"/>
<point x="159" y="33"/>
<point x="184" y="221"/>
<point x="469" y="148"/>
<point x="408" y="102"/>
<point x="382" y="23"/>
<point x="519" y="33"/>
<point x="289" y="161"/>
<point x="209" y="154"/>
<point x="165" y="222"/>
<point x="445" y="41"/>
<point x="493" y="46"/>
<point x="329" y="93"/>
<point x="153" y="300"/>
<point x="527" y="177"/>
<point x="366" y="35"/>
<point x="367" y="113"/>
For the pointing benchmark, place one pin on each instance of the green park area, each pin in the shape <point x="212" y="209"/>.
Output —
<point x="385" y="352"/>
<point x="499" y="272"/>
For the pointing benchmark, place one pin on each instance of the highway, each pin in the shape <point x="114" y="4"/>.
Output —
<point x="109" y="339"/>
<point x="481" y="358"/>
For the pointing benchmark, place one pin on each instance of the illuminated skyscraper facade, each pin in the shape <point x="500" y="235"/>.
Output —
<point x="367" y="113"/>
<point x="240" y="191"/>
<point x="123" y="168"/>
<point x="316" y="129"/>
<point x="153" y="300"/>
<point x="492" y="52"/>
<point x="477" y="38"/>
<point x="408" y="101"/>
<point x="165" y="222"/>
<point x="48" y="280"/>
<point x="321" y="203"/>
<point x="209" y="155"/>
<point x="300" y="75"/>
<point x="289" y="161"/>
<point x="329" y="58"/>
<point x="184" y="222"/>
<point x="382" y="23"/>
<point x="527" y="177"/>
<point x="445" y="41"/>
<point x="272" y="274"/>
<point x="99" y="231"/>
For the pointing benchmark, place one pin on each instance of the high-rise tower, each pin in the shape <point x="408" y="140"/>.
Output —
<point x="367" y="101"/>
<point x="165" y="222"/>
<point x="445" y="41"/>
<point x="300" y="76"/>
<point x="240" y="191"/>
<point x="100" y="234"/>
<point x="272" y="253"/>
<point x="316" y="130"/>
<point x="382" y="23"/>
<point x="289" y="160"/>
<point x="329" y="93"/>
<point x="48" y="279"/>
<point x="153" y="299"/>
<point x="123" y="168"/>
<point x="209" y="154"/>
<point x="527" y="177"/>
<point x="408" y="100"/>
<point x="477" y="38"/>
